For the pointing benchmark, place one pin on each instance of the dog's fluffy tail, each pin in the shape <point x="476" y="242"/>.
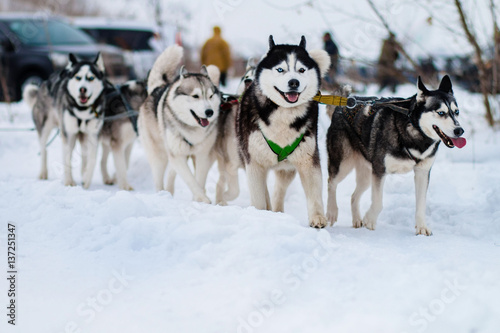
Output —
<point x="343" y="91"/>
<point x="165" y="66"/>
<point x="30" y="94"/>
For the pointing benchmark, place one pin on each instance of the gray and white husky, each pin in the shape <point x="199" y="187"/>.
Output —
<point x="377" y="140"/>
<point x="119" y="131"/>
<point x="277" y="125"/>
<point x="178" y="120"/>
<point x="72" y="100"/>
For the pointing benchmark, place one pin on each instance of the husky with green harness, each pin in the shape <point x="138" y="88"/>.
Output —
<point x="276" y="127"/>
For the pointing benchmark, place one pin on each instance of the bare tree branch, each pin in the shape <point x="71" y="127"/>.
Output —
<point x="483" y="76"/>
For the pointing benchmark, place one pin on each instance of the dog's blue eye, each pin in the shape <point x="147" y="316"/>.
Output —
<point x="279" y="69"/>
<point x="441" y="113"/>
<point x="90" y="78"/>
<point x="457" y="112"/>
<point x="302" y="70"/>
<point x="78" y="78"/>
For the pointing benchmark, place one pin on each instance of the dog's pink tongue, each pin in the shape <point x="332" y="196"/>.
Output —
<point x="292" y="97"/>
<point x="459" y="142"/>
<point x="204" y="122"/>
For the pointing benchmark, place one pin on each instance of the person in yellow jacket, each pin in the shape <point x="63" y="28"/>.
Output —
<point x="216" y="52"/>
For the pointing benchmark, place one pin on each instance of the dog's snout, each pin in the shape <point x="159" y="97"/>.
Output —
<point x="83" y="90"/>
<point x="248" y="81"/>
<point x="293" y="83"/>
<point x="458" y="131"/>
<point x="209" y="113"/>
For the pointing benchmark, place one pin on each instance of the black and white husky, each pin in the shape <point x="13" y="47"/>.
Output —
<point x="119" y="131"/>
<point x="276" y="126"/>
<point x="178" y="120"/>
<point x="377" y="140"/>
<point x="72" y="100"/>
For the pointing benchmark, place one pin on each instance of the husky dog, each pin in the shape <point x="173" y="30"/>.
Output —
<point x="277" y="123"/>
<point x="178" y="120"/>
<point x="226" y="147"/>
<point x="72" y="100"/>
<point x="376" y="140"/>
<point x="119" y="131"/>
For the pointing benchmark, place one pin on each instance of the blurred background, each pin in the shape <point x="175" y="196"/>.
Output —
<point x="383" y="42"/>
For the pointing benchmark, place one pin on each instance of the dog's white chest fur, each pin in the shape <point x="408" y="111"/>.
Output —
<point x="90" y="125"/>
<point x="398" y="165"/>
<point x="279" y="130"/>
<point x="187" y="144"/>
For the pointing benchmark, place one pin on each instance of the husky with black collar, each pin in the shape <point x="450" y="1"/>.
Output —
<point x="178" y="120"/>
<point x="378" y="140"/>
<point x="72" y="100"/>
<point x="277" y="123"/>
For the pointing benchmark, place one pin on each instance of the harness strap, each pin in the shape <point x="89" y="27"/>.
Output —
<point x="283" y="152"/>
<point x="186" y="141"/>
<point x="330" y="99"/>
<point x="351" y="102"/>
<point x="131" y="113"/>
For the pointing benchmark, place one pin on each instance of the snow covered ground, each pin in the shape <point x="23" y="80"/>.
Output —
<point x="104" y="260"/>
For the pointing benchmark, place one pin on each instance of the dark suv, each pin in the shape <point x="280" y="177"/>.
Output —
<point x="32" y="47"/>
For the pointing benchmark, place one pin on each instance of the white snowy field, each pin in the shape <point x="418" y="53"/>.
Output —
<point x="104" y="260"/>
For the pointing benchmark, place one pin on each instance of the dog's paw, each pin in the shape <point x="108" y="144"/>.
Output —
<point x="423" y="230"/>
<point x="318" y="221"/>
<point x="369" y="222"/>
<point x="69" y="182"/>
<point x="43" y="175"/>
<point x="107" y="180"/>
<point x="357" y="223"/>
<point x="331" y="217"/>
<point x="222" y="203"/>
<point x="86" y="185"/>
<point x="126" y="187"/>
<point x="201" y="198"/>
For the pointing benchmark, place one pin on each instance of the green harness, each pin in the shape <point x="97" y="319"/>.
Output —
<point x="283" y="153"/>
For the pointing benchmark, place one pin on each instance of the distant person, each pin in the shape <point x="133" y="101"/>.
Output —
<point x="333" y="51"/>
<point x="429" y="70"/>
<point x="216" y="52"/>
<point x="388" y="74"/>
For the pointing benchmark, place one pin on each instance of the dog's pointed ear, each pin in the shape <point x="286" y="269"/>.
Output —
<point x="323" y="60"/>
<point x="445" y="85"/>
<point x="72" y="59"/>
<point x="100" y="62"/>
<point x="421" y="89"/>
<point x="212" y="72"/>
<point x="302" y="42"/>
<point x="271" y="42"/>
<point x="183" y="72"/>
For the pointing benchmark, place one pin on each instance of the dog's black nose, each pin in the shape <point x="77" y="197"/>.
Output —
<point x="83" y="90"/>
<point x="209" y="113"/>
<point x="458" y="131"/>
<point x="294" y="83"/>
<point x="248" y="81"/>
